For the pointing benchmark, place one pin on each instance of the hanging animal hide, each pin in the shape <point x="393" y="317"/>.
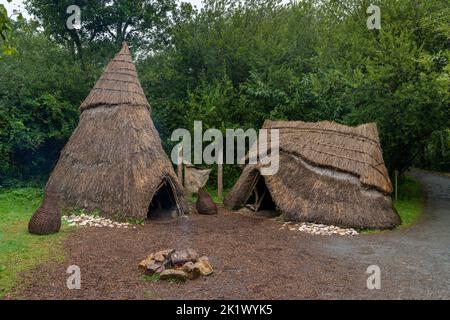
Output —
<point x="195" y="178"/>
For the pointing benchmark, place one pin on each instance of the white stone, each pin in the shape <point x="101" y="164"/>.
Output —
<point x="319" y="229"/>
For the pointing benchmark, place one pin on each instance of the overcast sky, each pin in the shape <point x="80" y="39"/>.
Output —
<point x="18" y="5"/>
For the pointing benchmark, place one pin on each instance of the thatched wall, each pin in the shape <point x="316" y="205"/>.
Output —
<point x="114" y="162"/>
<point x="317" y="186"/>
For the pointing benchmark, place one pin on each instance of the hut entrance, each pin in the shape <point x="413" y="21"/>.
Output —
<point x="260" y="200"/>
<point x="163" y="205"/>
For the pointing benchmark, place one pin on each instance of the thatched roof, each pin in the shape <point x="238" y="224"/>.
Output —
<point x="114" y="161"/>
<point x="119" y="84"/>
<point x="355" y="150"/>
<point x="329" y="173"/>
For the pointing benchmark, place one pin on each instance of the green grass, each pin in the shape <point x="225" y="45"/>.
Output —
<point x="410" y="201"/>
<point x="151" y="278"/>
<point x="19" y="250"/>
<point x="409" y="205"/>
<point x="212" y="192"/>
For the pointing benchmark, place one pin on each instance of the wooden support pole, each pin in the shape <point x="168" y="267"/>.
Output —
<point x="180" y="165"/>
<point x="258" y="204"/>
<point x="220" y="176"/>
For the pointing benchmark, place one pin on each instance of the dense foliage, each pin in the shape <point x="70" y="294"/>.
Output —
<point x="106" y="24"/>
<point x="40" y="90"/>
<point x="233" y="65"/>
<point x="5" y="32"/>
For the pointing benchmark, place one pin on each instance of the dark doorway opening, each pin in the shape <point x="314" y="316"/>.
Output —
<point x="260" y="201"/>
<point x="163" y="205"/>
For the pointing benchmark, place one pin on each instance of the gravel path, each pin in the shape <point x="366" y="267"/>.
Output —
<point x="414" y="262"/>
<point x="254" y="259"/>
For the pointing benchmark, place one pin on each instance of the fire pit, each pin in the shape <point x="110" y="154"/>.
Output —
<point x="176" y="264"/>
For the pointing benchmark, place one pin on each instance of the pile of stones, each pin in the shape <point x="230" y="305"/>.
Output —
<point x="318" y="229"/>
<point x="84" y="220"/>
<point x="174" y="264"/>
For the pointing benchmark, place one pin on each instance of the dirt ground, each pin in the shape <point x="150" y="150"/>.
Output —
<point x="254" y="259"/>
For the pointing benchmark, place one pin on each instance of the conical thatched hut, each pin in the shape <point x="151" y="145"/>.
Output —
<point x="329" y="173"/>
<point x="114" y="161"/>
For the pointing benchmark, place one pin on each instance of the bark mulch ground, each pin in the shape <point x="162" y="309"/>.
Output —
<point x="252" y="258"/>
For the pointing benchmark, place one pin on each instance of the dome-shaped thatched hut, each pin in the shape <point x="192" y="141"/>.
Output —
<point x="328" y="173"/>
<point x="114" y="161"/>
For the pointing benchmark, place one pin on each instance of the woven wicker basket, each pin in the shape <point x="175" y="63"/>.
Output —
<point x="46" y="219"/>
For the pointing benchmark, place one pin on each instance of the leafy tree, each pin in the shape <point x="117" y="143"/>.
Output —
<point x="5" y="32"/>
<point x="105" y="24"/>
<point x="397" y="76"/>
<point x="233" y="65"/>
<point x="38" y="104"/>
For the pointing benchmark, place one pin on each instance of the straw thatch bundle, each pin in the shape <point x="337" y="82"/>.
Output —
<point x="114" y="161"/>
<point x="47" y="218"/>
<point x="329" y="173"/>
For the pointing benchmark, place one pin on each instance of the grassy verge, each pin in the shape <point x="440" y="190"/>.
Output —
<point x="19" y="250"/>
<point x="409" y="204"/>
<point x="410" y="201"/>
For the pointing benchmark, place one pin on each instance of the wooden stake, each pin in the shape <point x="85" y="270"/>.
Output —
<point x="180" y="165"/>
<point x="220" y="176"/>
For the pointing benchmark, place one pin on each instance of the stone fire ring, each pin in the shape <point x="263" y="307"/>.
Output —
<point x="178" y="265"/>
